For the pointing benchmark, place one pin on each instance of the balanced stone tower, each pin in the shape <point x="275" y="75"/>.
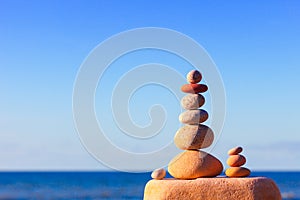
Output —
<point x="236" y="161"/>
<point x="193" y="166"/>
<point x="193" y="136"/>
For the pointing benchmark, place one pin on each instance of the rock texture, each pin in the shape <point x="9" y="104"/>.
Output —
<point x="235" y="151"/>
<point x="194" y="76"/>
<point x="256" y="188"/>
<point x="193" y="116"/>
<point x="190" y="137"/>
<point x="158" y="174"/>
<point x="193" y="164"/>
<point x="236" y="160"/>
<point x="194" y="88"/>
<point x="192" y="101"/>
<point x="237" y="172"/>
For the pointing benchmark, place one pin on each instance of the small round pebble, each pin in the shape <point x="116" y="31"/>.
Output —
<point x="237" y="172"/>
<point x="193" y="116"/>
<point x="236" y="160"/>
<point x="158" y="174"/>
<point x="235" y="151"/>
<point x="194" y="76"/>
<point x="192" y="101"/>
<point x="194" y="88"/>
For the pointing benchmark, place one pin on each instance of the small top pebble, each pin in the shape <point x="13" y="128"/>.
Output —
<point x="235" y="151"/>
<point x="158" y="174"/>
<point x="194" y="76"/>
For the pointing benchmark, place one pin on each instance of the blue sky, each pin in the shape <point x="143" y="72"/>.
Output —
<point x="255" y="45"/>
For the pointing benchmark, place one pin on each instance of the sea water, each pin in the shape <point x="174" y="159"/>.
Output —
<point x="104" y="185"/>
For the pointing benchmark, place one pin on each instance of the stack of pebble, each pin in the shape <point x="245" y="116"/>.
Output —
<point x="236" y="161"/>
<point x="194" y="163"/>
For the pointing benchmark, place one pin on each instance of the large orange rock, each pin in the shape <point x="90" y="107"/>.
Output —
<point x="193" y="164"/>
<point x="191" y="137"/>
<point x="255" y="188"/>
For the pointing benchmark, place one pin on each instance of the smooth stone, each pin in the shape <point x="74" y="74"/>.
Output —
<point x="192" y="101"/>
<point x="235" y="151"/>
<point x="252" y="188"/>
<point x="237" y="172"/>
<point x="193" y="164"/>
<point x="194" y="76"/>
<point x="158" y="174"/>
<point x="194" y="88"/>
<point x="236" y="160"/>
<point x="193" y="116"/>
<point x="191" y="137"/>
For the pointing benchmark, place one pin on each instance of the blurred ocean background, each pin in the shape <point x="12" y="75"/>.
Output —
<point x="104" y="185"/>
